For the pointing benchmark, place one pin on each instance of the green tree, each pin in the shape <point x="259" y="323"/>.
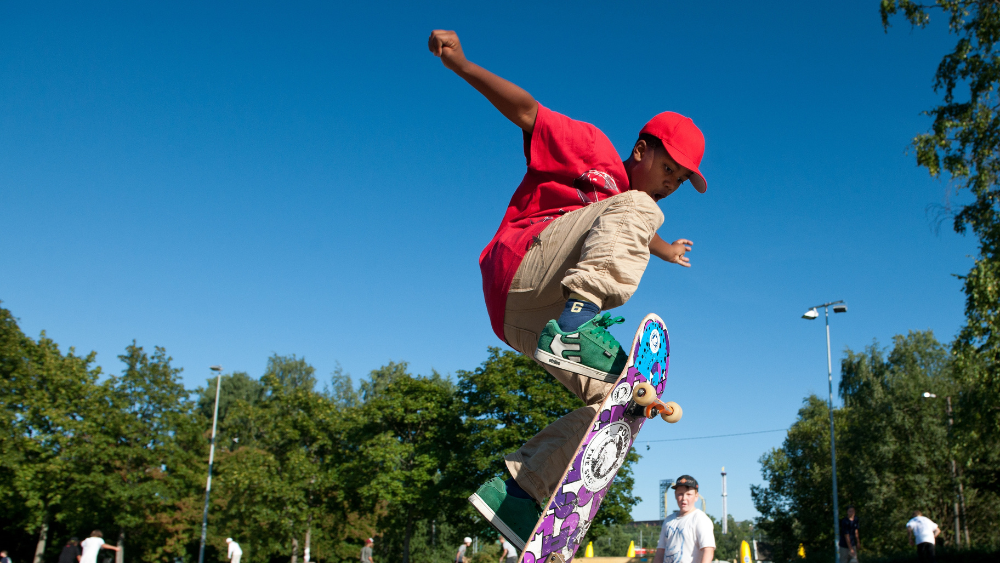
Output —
<point x="963" y="144"/>
<point x="236" y="390"/>
<point x="45" y="424"/>
<point x="281" y="482"/>
<point x="896" y="449"/>
<point x="796" y="504"/>
<point x="893" y="452"/>
<point x="146" y="459"/>
<point x="404" y="438"/>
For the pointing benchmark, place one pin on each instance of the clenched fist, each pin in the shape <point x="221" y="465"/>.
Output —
<point x="445" y="44"/>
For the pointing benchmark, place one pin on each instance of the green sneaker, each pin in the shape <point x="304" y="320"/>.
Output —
<point x="513" y="517"/>
<point x="589" y="350"/>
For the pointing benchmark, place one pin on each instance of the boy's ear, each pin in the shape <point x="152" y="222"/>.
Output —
<point x="639" y="150"/>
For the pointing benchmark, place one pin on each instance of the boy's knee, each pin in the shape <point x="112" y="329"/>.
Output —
<point x="641" y="205"/>
<point x="646" y="207"/>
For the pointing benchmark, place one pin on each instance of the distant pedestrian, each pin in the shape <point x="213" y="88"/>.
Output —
<point x="3" y="557"/>
<point x="366" y="551"/>
<point x="849" y="539"/>
<point x="923" y="532"/>
<point x="507" y="552"/>
<point x="92" y="545"/>
<point x="71" y="552"/>
<point x="234" y="553"/>
<point x="461" y="557"/>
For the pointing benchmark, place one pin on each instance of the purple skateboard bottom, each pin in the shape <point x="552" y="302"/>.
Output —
<point x="570" y="511"/>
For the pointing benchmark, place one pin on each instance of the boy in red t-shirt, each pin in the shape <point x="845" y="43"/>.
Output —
<point x="575" y="240"/>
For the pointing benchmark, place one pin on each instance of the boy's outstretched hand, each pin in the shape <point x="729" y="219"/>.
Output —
<point x="672" y="252"/>
<point x="445" y="44"/>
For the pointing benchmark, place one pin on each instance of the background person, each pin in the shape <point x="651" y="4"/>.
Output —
<point x="235" y="553"/>
<point x="849" y="537"/>
<point x="3" y="557"/>
<point x="923" y="531"/>
<point x="687" y="535"/>
<point x="366" y="551"/>
<point x="460" y="557"/>
<point x="507" y="552"/>
<point x="71" y="552"/>
<point x="92" y="545"/>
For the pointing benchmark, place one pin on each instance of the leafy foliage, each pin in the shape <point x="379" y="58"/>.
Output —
<point x="964" y="145"/>
<point x="395" y="458"/>
<point x="893" y="456"/>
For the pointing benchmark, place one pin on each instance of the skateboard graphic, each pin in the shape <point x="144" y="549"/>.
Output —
<point x="634" y="398"/>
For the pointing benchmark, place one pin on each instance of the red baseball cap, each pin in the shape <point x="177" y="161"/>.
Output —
<point x="683" y="140"/>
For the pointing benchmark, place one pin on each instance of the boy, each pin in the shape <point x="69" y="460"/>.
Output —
<point x="92" y="545"/>
<point x="574" y="241"/>
<point x="461" y="557"/>
<point x="507" y="552"/>
<point x="849" y="537"/>
<point x="366" y="551"/>
<point x="923" y="532"/>
<point x="234" y="552"/>
<point x="687" y="535"/>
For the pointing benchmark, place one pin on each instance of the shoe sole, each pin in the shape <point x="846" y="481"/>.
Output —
<point x="550" y="359"/>
<point x="495" y="521"/>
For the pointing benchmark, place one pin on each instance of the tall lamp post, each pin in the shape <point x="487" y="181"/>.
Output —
<point x="960" y="494"/>
<point x="812" y="314"/>
<point x="211" y="458"/>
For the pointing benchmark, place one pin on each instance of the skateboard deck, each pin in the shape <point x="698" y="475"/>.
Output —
<point x="570" y="510"/>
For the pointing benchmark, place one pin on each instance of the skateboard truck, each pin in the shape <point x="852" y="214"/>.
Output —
<point x="646" y="401"/>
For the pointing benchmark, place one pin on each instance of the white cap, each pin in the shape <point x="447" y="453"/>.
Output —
<point x="468" y="540"/>
<point x="229" y="540"/>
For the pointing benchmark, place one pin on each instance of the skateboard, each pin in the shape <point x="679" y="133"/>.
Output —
<point x="634" y="398"/>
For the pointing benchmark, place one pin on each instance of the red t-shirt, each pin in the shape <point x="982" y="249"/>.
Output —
<point x="570" y="164"/>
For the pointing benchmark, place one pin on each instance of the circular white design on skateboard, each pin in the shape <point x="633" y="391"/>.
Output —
<point x="654" y="341"/>
<point x="605" y="454"/>
<point x="621" y="394"/>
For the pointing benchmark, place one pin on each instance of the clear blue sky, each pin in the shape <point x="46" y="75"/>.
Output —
<point x="232" y="180"/>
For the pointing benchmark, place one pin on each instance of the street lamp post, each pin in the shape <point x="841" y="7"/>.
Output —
<point x="211" y="458"/>
<point x="960" y="494"/>
<point x="811" y="314"/>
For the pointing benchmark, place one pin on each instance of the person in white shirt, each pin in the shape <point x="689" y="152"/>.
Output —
<point x="688" y="535"/>
<point x="923" y="532"/>
<point x="234" y="551"/>
<point x="92" y="545"/>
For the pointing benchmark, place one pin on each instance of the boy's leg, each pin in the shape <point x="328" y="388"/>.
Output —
<point x="599" y="252"/>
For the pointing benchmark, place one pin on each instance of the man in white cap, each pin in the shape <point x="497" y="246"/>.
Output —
<point x="234" y="551"/>
<point x="366" y="551"/>
<point x="460" y="556"/>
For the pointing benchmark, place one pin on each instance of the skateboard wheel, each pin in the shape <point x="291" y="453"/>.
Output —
<point x="643" y="394"/>
<point x="675" y="412"/>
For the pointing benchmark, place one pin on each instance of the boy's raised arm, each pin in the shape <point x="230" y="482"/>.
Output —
<point x="513" y="101"/>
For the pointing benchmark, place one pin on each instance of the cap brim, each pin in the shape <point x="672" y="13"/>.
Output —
<point x="697" y="180"/>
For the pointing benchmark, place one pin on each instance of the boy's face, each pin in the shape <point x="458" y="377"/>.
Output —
<point x="656" y="173"/>
<point x="686" y="497"/>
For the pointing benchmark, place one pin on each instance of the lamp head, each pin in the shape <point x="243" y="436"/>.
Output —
<point x="216" y="368"/>
<point x="927" y="395"/>
<point x="810" y="314"/>
<point x="840" y="308"/>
